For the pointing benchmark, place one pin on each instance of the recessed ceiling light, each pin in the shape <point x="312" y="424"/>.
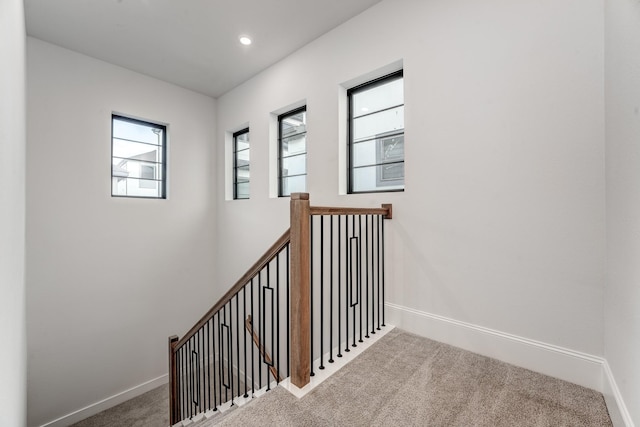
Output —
<point x="245" y="40"/>
<point x="365" y="109"/>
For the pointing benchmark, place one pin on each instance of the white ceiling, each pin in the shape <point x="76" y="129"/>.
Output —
<point x="191" y="43"/>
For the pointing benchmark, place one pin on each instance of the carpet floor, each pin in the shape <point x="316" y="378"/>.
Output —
<point x="403" y="380"/>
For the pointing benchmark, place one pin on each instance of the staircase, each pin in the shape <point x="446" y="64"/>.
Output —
<point x="315" y="295"/>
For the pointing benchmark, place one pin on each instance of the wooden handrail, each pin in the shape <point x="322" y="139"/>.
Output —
<point x="263" y="351"/>
<point x="246" y="277"/>
<point x="334" y="210"/>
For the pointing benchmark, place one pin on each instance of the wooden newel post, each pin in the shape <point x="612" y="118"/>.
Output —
<point x="174" y="405"/>
<point x="300" y="290"/>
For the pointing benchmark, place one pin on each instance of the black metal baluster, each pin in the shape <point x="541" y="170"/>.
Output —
<point x="288" y="320"/>
<point x="263" y="328"/>
<point x="198" y="373"/>
<point x="366" y="276"/>
<point x="359" y="284"/>
<point x="339" y="283"/>
<point x="311" y="291"/>
<point x="227" y="370"/>
<point x="190" y="377"/>
<point x="353" y="266"/>
<point x="331" y="290"/>
<point x="353" y="280"/>
<point x="187" y="374"/>
<point x="213" y="362"/>
<point x="373" y="276"/>
<point x="267" y="295"/>
<point x="253" y="376"/>
<point x="346" y="284"/>
<point x="321" y="292"/>
<point x="230" y="350"/>
<point x="194" y="367"/>
<point x="180" y="386"/>
<point x="382" y="301"/>
<point x="184" y="381"/>
<point x="237" y="344"/>
<point x="198" y="370"/>
<point x="278" y="272"/>
<point x="203" y="367"/>
<point x="208" y="365"/>
<point x="379" y="281"/>
<point x="220" y="358"/>
<point x="244" y="316"/>
<point x="273" y="332"/>
<point x="260" y="327"/>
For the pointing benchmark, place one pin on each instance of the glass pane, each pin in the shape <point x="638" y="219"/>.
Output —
<point x="294" y="145"/>
<point x="384" y="122"/>
<point x="378" y="98"/>
<point x="243" y="174"/>
<point x="242" y="158"/>
<point x="242" y="141"/>
<point x="365" y="153"/>
<point x="294" y="165"/>
<point x="295" y="184"/>
<point x="242" y="190"/>
<point x="137" y="132"/>
<point x="133" y="150"/>
<point x="378" y="151"/>
<point x="293" y="125"/>
<point x="127" y="168"/>
<point x="379" y="178"/>
<point x="135" y="187"/>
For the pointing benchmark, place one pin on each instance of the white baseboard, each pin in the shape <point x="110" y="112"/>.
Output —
<point x="107" y="403"/>
<point x="618" y="411"/>
<point x="569" y="365"/>
<point x="576" y="367"/>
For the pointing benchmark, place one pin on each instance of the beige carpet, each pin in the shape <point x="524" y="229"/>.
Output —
<point x="402" y="380"/>
<point x="405" y="380"/>
<point x="150" y="409"/>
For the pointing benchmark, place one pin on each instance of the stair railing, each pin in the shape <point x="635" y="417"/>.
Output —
<point x="215" y="361"/>
<point x="330" y="259"/>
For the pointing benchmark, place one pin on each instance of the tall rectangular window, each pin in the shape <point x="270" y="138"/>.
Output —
<point x="138" y="158"/>
<point x="292" y="156"/>
<point x="376" y="135"/>
<point x="241" y="172"/>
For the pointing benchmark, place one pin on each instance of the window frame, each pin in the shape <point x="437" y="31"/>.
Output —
<point x="162" y="164"/>
<point x="281" y="118"/>
<point x="396" y="75"/>
<point x="235" y="162"/>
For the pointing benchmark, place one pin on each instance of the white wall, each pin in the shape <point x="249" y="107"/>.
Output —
<point x="13" y="367"/>
<point x="622" y="294"/>
<point x="502" y="223"/>
<point x="108" y="279"/>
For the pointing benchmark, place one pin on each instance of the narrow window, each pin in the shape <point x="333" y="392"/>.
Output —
<point x="241" y="173"/>
<point x="376" y="135"/>
<point x="138" y="158"/>
<point x="292" y="159"/>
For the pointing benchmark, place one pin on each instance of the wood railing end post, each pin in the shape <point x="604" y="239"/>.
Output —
<point x="300" y="290"/>
<point x="389" y="208"/>
<point x="174" y="408"/>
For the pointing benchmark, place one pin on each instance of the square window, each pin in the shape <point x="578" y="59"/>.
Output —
<point x="138" y="151"/>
